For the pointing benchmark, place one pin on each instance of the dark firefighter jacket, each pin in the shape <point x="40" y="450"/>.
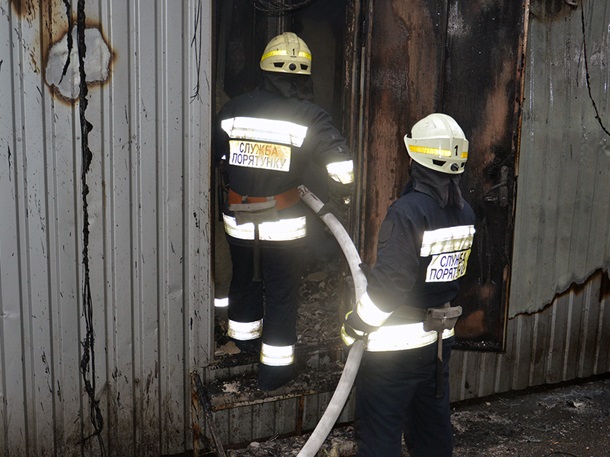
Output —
<point x="407" y="272"/>
<point x="269" y="165"/>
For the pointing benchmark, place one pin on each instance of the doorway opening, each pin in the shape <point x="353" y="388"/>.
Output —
<point x="242" y="30"/>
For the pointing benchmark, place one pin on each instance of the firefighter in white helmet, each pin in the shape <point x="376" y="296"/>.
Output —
<point x="406" y="314"/>
<point x="266" y="140"/>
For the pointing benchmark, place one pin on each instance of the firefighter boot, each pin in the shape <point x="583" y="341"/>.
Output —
<point x="271" y="378"/>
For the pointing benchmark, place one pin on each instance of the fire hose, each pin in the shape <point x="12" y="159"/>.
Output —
<point x="344" y="386"/>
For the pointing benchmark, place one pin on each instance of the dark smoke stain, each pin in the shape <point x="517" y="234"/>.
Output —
<point x="604" y="290"/>
<point x="9" y="162"/>
<point x="23" y="8"/>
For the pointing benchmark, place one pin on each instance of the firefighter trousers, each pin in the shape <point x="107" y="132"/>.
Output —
<point x="275" y="298"/>
<point x="396" y="395"/>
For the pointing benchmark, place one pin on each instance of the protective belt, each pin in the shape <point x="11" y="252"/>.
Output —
<point x="439" y="320"/>
<point x="258" y="210"/>
<point x="283" y="200"/>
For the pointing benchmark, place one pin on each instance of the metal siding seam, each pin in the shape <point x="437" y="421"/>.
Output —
<point x="122" y="118"/>
<point x="516" y="367"/>
<point x="601" y="333"/>
<point x="549" y="365"/>
<point x="463" y="379"/>
<point x="482" y="374"/>
<point x="135" y="102"/>
<point x="30" y="392"/>
<point x="567" y="336"/>
<point x="163" y="186"/>
<point x="584" y="328"/>
<point x="198" y="316"/>
<point x="14" y="420"/>
<point x="534" y="346"/>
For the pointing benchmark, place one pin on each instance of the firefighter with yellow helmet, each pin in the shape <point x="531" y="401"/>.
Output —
<point x="266" y="140"/>
<point x="406" y="316"/>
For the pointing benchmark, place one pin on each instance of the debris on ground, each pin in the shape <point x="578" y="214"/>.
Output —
<point x="569" y="421"/>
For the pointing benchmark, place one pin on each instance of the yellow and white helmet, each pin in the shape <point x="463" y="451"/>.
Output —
<point x="287" y="53"/>
<point x="439" y="143"/>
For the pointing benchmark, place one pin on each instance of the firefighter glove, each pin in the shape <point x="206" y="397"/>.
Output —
<point x="366" y="269"/>
<point x="354" y="328"/>
<point x="339" y="200"/>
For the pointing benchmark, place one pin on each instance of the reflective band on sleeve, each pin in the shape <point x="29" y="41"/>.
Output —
<point x="448" y="239"/>
<point x="256" y="129"/>
<point x="277" y="356"/>
<point x="244" y="331"/>
<point x="282" y="230"/>
<point x="401" y="337"/>
<point x="342" y="172"/>
<point x="369" y="312"/>
<point x="221" y="302"/>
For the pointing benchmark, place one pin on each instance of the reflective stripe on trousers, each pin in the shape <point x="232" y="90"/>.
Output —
<point x="282" y="230"/>
<point x="401" y="337"/>
<point x="245" y="331"/>
<point x="277" y="356"/>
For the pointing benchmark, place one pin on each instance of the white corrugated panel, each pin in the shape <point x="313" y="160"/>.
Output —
<point x="148" y="205"/>
<point x="562" y="228"/>
<point x="566" y="341"/>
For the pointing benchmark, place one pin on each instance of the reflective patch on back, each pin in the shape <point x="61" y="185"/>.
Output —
<point x="449" y="249"/>
<point x="447" y="267"/>
<point x="252" y="154"/>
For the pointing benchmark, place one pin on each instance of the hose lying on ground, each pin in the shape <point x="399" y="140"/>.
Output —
<point x="344" y="386"/>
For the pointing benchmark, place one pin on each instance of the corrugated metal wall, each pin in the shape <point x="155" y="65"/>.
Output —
<point x="567" y="340"/>
<point x="562" y="228"/>
<point x="148" y="205"/>
<point x="562" y="232"/>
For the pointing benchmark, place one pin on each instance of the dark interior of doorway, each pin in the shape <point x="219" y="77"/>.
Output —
<point x="242" y="29"/>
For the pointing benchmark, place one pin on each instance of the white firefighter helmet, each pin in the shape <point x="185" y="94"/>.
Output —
<point x="287" y="53"/>
<point x="439" y="143"/>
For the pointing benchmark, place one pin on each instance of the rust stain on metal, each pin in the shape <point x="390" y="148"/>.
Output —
<point x="472" y="325"/>
<point x="464" y="60"/>
<point x="406" y="59"/>
<point x="24" y="8"/>
<point x="52" y="18"/>
<point x="95" y="81"/>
